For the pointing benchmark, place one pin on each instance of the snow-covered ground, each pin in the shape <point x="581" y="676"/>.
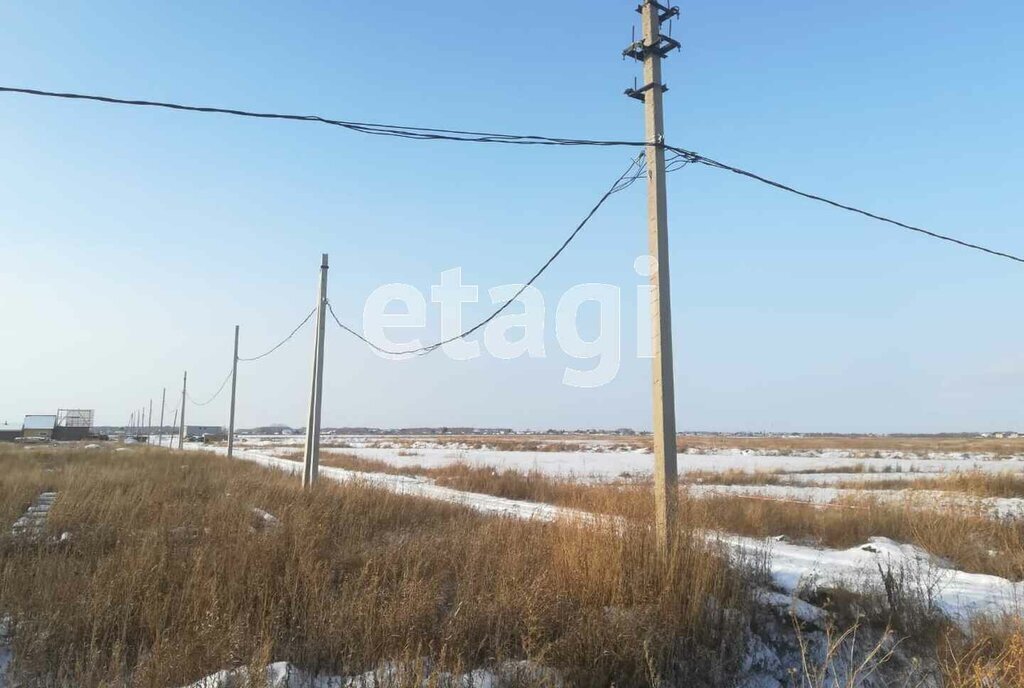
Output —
<point x="605" y="460"/>
<point x="791" y="566"/>
<point x="799" y="474"/>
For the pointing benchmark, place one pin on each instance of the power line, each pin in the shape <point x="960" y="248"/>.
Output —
<point x="373" y="128"/>
<point x="254" y="358"/>
<point x="282" y="342"/>
<point x="436" y="134"/>
<point x="215" y="394"/>
<point x="634" y="172"/>
<point x="690" y="156"/>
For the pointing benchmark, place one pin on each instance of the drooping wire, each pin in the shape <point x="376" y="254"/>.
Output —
<point x="282" y="342"/>
<point x="634" y="172"/>
<point x="427" y="133"/>
<point x="215" y="394"/>
<point x="277" y="346"/>
<point x="373" y="128"/>
<point x="690" y="156"/>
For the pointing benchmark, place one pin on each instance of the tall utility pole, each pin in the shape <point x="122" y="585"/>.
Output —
<point x="149" y="422"/>
<point x="181" y="428"/>
<point x="311" y="462"/>
<point x="650" y="50"/>
<point x="174" y="423"/>
<point x="163" y="402"/>
<point x="231" y="415"/>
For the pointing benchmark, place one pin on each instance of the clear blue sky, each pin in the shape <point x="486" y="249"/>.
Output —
<point x="133" y="240"/>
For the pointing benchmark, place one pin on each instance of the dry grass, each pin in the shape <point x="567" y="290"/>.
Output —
<point x="970" y="540"/>
<point x="866" y="444"/>
<point x="734" y="476"/>
<point x="168" y="576"/>
<point x="975" y="483"/>
<point x="991" y="656"/>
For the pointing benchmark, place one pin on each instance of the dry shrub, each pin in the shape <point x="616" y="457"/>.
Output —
<point x="976" y="483"/>
<point x="169" y="575"/>
<point x="990" y="656"/>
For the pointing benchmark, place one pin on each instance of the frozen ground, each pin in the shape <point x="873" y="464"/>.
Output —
<point x="801" y="476"/>
<point x="605" y="460"/>
<point x="791" y="566"/>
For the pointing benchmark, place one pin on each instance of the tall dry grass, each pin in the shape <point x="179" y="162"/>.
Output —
<point x="971" y="540"/>
<point x="169" y="575"/>
<point x="975" y="483"/>
<point x="866" y="445"/>
<point x="990" y="656"/>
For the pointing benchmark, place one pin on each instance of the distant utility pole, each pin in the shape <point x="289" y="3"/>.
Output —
<point x="311" y="461"/>
<point x="163" y="402"/>
<point x="181" y="428"/>
<point x="650" y="50"/>
<point x="231" y="416"/>
<point x="174" y="423"/>
<point x="149" y="421"/>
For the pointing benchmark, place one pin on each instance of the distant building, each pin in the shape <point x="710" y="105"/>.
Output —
<point x="73" y="424"/>
<point x="200" y="430"/>
<point x="40" y="427"/>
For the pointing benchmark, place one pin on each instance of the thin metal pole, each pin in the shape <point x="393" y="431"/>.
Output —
<point x="149" y="422"/>
<point x="663" y="388"/>
<point x="181" y="428"/>
<point x="231" y="416"/>
<point x="163" y="402"/>
<point x="311" y="462"/>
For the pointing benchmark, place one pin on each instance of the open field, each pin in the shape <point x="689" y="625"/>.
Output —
<point x="161" y="568"/>
<point x="176" y="566"/>
<point x="865" y="445"/>
<point x="971" y="539"/>
<point x="854" y="444"/>
<point x="604" y="460"/>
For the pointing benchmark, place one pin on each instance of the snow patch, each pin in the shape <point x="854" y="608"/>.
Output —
<point x="287" y="675"/>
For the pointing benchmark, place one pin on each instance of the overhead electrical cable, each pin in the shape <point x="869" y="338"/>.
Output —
<point x="215" y="394"/>
<point x="277" y="346"/>
<point x="282" y="342"/>
<point x="428" y="133"/>
<point x="696" y="157"/>
<point x="634" y="172"/>
<point x="373" y="128"/>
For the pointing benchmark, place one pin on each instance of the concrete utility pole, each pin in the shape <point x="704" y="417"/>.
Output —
<point x="311" y="462"/>
<point x="163" y="402"/>
<point x="149" y="421"/>
<point x="231" y="416"/>
<point x="181" y="428"/>
<point x="650" y="50"/>
<point x="174" y="423"/>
